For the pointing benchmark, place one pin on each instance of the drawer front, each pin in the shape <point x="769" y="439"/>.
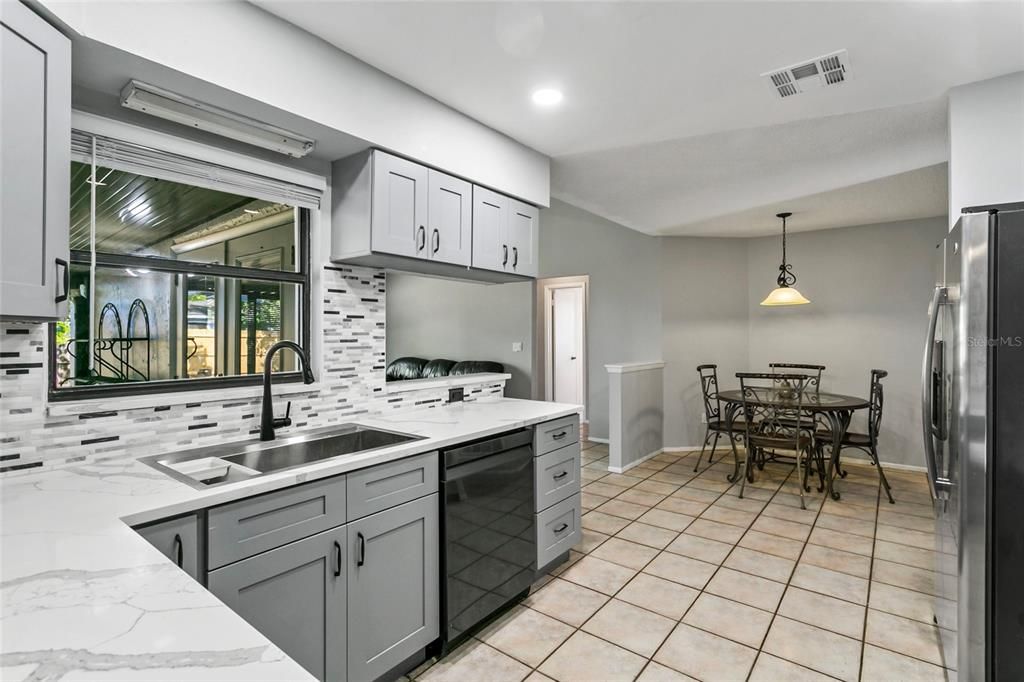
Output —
<point x="248" y="527"/>
<point x="558" y="530"/>
<point x="389" y="485"/>
<point x="557" y="434"/>
<point x="178" y="539"/>
<point x="556" y="476"/>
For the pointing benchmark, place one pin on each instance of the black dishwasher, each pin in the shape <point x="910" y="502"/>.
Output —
<point x="489" y="548"/>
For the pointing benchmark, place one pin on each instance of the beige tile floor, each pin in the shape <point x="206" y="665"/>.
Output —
<point x="677" y="578"/>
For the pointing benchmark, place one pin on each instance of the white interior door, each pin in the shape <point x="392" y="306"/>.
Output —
<point x="567" y="345"/>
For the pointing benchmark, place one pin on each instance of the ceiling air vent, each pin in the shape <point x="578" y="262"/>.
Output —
<point x="827" y="70"/>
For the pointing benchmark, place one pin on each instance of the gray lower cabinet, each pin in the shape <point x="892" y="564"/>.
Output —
<point x="178" y="539"/>
<point x="393" y="587"/>
<point x="35" y="147"/>
<point x="295" y="595"/>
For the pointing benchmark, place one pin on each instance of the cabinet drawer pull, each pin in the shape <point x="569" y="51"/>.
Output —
<point x="559" y="436"/>
<point x="422" y="238"/>
<point x="179" y="551"/>
<point x="337" y="558"/>
<point x="561" y="528"/>
<point x="63" y="264"/>
<point x="361" y="555"/>
<point x="515" y="256"/>
<point x="559" y="477"/>
<point x="504" y="259"/>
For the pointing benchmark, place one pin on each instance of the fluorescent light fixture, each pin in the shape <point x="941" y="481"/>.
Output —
<point x="186" y="111"/>
<point x="251" y="211"/>
<point x="547" y="97"/>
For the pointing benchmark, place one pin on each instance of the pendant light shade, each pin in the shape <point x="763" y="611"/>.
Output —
<point x="785" y="294"/>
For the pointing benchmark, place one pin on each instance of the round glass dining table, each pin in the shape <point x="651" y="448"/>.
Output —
<point x="836" y="408"/>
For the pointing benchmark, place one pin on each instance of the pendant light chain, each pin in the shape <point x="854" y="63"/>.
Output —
<point x="786" y="277"/>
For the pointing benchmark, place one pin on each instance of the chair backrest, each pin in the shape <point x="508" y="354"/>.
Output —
<point x="813" y="372"/>
<point x="877" y="400"/>
<point x="709" y="390"/>
<point x="773" y="403"/>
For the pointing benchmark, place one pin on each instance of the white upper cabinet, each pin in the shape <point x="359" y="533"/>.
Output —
<point x="35" y="149"/>
<point x="399" y="213"/>
<point x="490" y="229"/>
<point x="523" y="237"/>
<point x="392" y="213"/>
<point x="450" y="219"/>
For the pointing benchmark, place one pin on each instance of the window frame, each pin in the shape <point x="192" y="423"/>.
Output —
<point x="302" y="277"/>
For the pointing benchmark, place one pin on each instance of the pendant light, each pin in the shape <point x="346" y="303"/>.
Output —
<point x="785" y="294"/>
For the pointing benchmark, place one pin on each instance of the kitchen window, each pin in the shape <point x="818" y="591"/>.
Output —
<point x="182" y="274"/>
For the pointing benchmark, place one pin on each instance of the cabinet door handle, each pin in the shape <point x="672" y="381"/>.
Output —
<point x="422" y="238"/>
<point x="179" y="551"/>
<point x="361" y="555"/>
<point x="515" y="256"/>
<point x="61" y="263"/>
<point x="559" y="436"/>
<point x="504" y="260"/>
<point x="559" y="477"/>
<point x="561" y="528"/>
<point x="437" y="240"/>
<point x="337" y="558"/>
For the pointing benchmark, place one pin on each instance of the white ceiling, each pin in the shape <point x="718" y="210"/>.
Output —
<point x="666" y="123"/>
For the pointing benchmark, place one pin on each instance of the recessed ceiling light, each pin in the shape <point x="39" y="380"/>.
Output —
<point x="547" y="97"/>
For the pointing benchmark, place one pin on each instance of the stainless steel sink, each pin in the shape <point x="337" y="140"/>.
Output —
<point x="232" y="462"/>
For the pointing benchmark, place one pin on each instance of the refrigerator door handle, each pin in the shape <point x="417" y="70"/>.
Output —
<point x="939" y="486"/>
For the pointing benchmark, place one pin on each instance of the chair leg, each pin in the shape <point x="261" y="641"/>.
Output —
<point x="881" y="474"/>
<point x="799" y="464"/>
<point x="820" y="465"/>
<point x="707" y="437"/>
<point x="714" y="444"/>
<point x="748" y="453"/>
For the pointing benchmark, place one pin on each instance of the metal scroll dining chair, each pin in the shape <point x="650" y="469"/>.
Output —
<point x="865" y="442"/>
<point x="813" y="372"/>
<point x="772" y="408"/>
<point x="715" y="425"/>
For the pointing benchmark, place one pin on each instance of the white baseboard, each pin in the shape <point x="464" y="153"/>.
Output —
<point x="680" y="448"/>
<point x="622" y="470"/>
<point x="595" y="439"/>
<point x="888" y="465"/>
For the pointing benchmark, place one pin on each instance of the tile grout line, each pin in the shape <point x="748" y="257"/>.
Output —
<point x="796" y="564"/>
<point x="702" y="590"/>
<point x="638" y="572"/>
<point x="871" y="573"/>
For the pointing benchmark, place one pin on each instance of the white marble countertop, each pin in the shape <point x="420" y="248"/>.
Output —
<point x="84" y="597"/>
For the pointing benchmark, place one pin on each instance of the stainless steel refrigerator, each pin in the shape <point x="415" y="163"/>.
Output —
<point x="973" y="417"/>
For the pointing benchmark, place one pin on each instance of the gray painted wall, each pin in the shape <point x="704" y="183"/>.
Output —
<point x="624" y="316"/>
<point x="869" y="288"/>
<point x="637" y="419"/>
<point x="704" y="312"/>
<point x="438" y="318"/>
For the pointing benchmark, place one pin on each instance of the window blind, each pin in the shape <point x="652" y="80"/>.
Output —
<point x="134" y="158"/>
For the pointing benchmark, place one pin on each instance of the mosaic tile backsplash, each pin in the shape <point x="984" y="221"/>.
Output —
<point x="350" y="373"/>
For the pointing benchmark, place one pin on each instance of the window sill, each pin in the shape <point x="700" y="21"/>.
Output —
<point x="140" y="402"/>
<point x="444" y="382"/>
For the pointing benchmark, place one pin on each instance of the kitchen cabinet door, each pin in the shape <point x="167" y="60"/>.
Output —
<point x="393" y="587"/>
<point x="35" y="145"/>
<point x="490" y="230"/>
<point x="523" y="237"/>
<point x="295" y="596"/>
<point x="450" y="222"/>
<point x="398" y="221"/>
<point x="178" y="539"/>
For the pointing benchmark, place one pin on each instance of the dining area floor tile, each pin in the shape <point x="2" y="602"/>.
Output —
<point x="679" y="577"/>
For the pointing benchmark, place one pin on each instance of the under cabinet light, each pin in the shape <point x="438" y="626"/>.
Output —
<point x="195" y="114"/>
